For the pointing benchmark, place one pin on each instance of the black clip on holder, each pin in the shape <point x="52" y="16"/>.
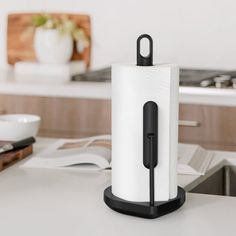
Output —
<point x="151" y="209"/>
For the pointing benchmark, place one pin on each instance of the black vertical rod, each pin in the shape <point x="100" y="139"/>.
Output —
<point x="151" y="172"/>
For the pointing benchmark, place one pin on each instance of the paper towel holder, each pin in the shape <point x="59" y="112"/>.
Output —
<point x="149" y="209"/>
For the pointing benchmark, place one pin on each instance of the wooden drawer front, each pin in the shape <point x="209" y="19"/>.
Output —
<point x="63" y="117"/>
<point x="216" y="124"/>
<point x="77" y="117"/>
<point x="21" y="104"/>
<point x="2" y="107"/>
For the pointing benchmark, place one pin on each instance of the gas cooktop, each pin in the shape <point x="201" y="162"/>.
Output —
<point x="207" y="78"/>
<point x="188" y="77"/>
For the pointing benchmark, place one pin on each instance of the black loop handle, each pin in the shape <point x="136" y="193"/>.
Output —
<point x="141" y="60"/>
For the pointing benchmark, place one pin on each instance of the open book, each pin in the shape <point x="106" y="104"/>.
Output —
<point x="193" y="159"/>
<point x="94" y="153"/>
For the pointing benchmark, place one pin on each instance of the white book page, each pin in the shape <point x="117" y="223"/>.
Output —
<point x="89" y="153"/>
<point x="193" y="159"/>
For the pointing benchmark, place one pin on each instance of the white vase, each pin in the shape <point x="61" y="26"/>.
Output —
<point x="52" y="47"/>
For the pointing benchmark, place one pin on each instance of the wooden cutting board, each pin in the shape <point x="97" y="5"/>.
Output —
<point x="9" y="158"/>
<point x="20" y="44"/>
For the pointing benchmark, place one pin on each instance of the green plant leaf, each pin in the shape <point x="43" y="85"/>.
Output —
<point x="39" y="20"/>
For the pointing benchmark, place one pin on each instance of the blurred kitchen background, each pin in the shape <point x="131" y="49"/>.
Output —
<point x="35" y="78"/>
<point x="190" y="33"/>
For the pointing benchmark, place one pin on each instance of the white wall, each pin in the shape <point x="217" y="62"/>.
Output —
<point x="192" y="33"/>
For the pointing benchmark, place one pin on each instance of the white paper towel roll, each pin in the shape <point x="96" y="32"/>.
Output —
<point x="132" y="87"/>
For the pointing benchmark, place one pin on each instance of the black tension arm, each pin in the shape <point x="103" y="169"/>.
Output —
<point x="150" y="143"/>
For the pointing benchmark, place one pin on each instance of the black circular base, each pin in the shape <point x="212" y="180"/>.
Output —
<point x="143" y="209"/>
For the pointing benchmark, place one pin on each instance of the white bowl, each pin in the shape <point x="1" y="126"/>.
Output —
<point x="18" y="126"/>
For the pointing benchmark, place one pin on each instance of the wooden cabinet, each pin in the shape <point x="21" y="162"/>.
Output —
<point x="215" y="126"/>
<point x="63" y="117"/>
<point x="76" y="117"/>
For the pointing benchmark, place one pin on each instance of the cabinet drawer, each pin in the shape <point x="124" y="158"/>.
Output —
<point x="21" y="104"/>
<point x="77" y="117"/>
<point x="63" y="117"/>
<point x="2" y="107"/>
<point x="215" y="124"/>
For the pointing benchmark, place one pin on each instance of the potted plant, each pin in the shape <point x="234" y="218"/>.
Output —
<point x="54" y="38"/>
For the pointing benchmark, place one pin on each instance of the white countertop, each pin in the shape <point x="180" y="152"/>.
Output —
<point x="208" y="96"/>
<point x="59" y="202"/>
<point x="34" y="86"/>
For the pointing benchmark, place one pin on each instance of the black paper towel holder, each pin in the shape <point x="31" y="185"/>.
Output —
<point x="150" y="209"/>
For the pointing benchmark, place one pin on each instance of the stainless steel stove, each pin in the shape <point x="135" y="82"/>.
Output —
<point x="208" y="78"/>
<point x="188" y="77"/>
